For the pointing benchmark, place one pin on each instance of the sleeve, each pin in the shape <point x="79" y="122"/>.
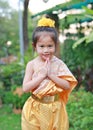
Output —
<point x="65" y="73"/>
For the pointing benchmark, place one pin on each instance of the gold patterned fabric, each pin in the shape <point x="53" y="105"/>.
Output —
<point x="46" y="108"/>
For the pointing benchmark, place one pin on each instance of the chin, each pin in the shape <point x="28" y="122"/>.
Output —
<point x="45" y="58"/>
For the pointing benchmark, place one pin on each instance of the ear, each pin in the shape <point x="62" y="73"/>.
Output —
<point x="34" y="46"/>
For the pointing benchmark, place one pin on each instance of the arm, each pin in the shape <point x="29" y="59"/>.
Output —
<point x="64" y="84"/>
<point x="28" y="83"/>
<point x="60" y="82"/>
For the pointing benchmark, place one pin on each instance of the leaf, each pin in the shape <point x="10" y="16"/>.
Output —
<point x="89" y="16"/>
<point x="89" y="38"/>
<point x="78" y="42"/>
<point x="89" y="11"/>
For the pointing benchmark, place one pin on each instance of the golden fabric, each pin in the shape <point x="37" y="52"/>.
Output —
<point x="41" y="111"/>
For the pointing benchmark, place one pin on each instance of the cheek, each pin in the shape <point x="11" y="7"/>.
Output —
<point x="38" y="50"/>
<point x="53" y="50"/>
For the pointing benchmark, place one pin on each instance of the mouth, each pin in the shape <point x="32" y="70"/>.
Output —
<point x="45" y="57"/>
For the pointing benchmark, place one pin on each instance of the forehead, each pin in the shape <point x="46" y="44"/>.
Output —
<point x="45" y="36"/>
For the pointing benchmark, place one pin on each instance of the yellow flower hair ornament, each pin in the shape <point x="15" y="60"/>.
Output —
<point x="46" y="22"/>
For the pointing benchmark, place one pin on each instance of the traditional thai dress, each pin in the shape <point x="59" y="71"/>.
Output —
<point x="46" y="108"/>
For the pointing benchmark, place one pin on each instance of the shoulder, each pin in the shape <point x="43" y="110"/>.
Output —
<point x="31" y="63"/>
<point x="59" y="61"/>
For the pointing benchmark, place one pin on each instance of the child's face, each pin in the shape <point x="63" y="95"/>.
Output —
<point x="45" y="46"/>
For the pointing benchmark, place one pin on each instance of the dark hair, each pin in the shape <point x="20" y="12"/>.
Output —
<point x="38" y="30"/>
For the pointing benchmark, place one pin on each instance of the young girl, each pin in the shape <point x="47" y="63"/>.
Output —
<point x="49" y="81"/>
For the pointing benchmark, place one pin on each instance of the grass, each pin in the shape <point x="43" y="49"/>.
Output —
<point x="9" y="120"/>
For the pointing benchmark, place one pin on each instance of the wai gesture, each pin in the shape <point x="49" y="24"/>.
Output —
<point x="45" y="70"/>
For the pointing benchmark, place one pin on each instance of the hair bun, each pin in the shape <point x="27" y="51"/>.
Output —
<point x="46" y="22"/>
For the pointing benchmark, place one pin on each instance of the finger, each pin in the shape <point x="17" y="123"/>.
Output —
<point x="48" y="66"/>
<point x="46" y="62"/>
<point x="47" y="59"/>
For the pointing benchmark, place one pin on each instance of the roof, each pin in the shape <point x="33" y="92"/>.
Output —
<point x="74" y="4"/>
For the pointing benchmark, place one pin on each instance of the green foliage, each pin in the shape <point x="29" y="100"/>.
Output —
<point x="71" y="19"/>
<point x="29" y="54"/>
<point x="78" y="54"/>
<point x="79" y="60"/>
<point x="87" y="39"/>
<point x="8" y="30"/>
<point x="80" y="110"/>
<point x="88" y="11"/>
<point x="11" y="74"/>
<point x="12" y="77"/>
<point x="17" y="101"/>
<point x="8" y="69"/>
<point x="68" y="55"/>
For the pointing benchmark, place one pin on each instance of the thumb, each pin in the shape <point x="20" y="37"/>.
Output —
<point x="45" y="63"/>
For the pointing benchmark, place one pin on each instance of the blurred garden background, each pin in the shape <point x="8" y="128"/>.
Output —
<point x="74" y="22"/>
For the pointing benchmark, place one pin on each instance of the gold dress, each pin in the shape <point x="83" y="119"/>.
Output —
<point x="45" y="109"/>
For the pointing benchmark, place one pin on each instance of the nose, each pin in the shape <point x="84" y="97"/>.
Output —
<point x="45" y="49"/>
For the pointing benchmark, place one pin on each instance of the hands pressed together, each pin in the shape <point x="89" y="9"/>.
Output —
<point x="45" y="71"/>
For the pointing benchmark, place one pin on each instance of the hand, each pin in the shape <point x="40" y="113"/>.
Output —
<point x="43" y="72"/>
<point x="48" y="67"/>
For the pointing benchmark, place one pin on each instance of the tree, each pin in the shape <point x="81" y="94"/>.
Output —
<point x="8" y="29"/>
<point x="25" y="25"/>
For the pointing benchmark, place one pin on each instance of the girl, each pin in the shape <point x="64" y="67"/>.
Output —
<point x="50" y="82"/>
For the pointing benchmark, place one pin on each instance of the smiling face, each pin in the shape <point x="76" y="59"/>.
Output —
<point x="45" y="46"/>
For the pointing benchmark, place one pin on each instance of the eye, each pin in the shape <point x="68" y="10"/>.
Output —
<point x="50" y="46"/>
<point x="41" y="46"/>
